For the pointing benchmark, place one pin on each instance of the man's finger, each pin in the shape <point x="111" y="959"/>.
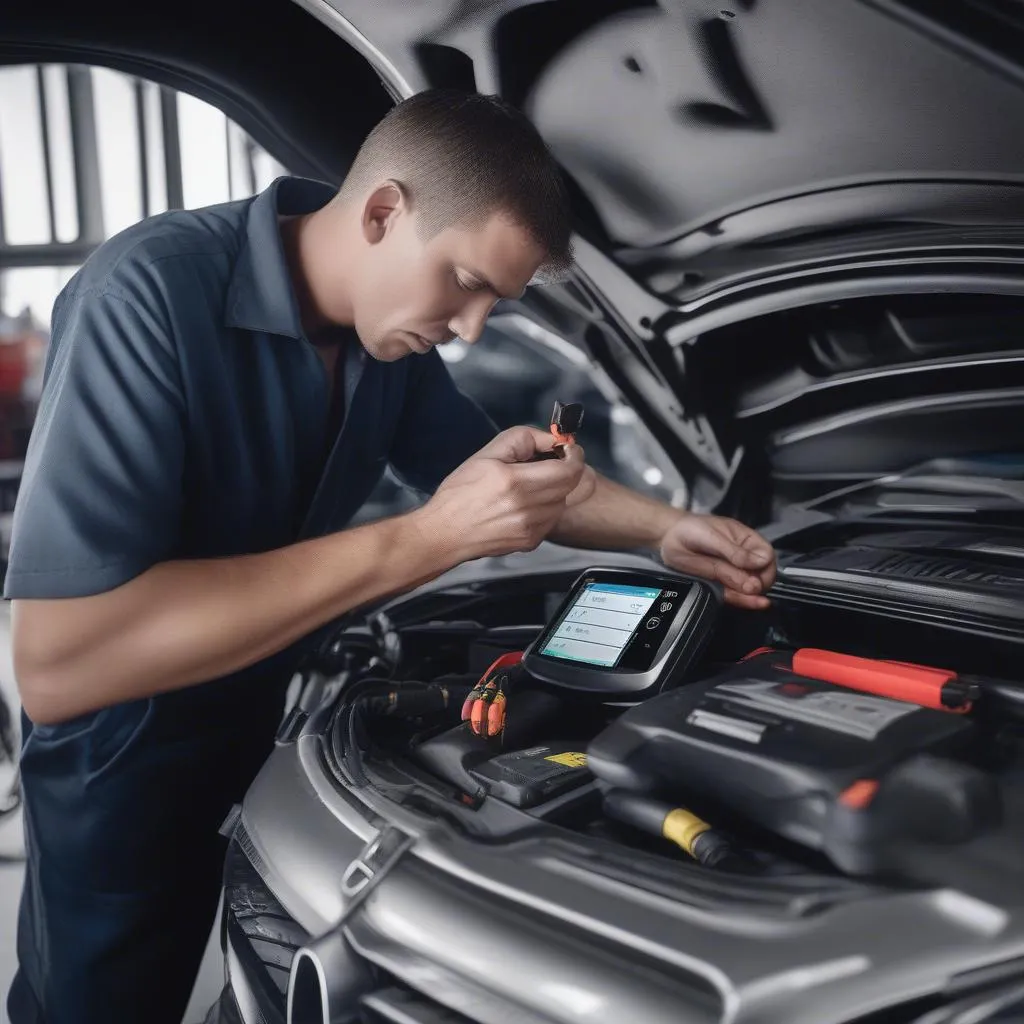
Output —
<point x="711" y="541"/>
<point x="757" y="553"/>
<point x="742" y="546"/>
<point x="760" y="555"/>
<point x="767" y="577"/>
<point x="748" y="601"/>
<point x="573" y="455"/>
<point x="721" y="570"/>
<point x="563" y="474"/>
<point x="517" y="444"/>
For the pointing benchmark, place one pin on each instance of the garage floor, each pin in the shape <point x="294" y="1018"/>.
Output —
<point x="211" y="974"/>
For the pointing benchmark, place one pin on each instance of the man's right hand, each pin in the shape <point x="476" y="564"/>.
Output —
<point x="186" y="621"/>
<point x="498" y="502"/>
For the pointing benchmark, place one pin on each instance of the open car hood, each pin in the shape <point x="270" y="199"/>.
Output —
<point x="735" y="162"/>
<point x="677" y="118"/>
<point x="775" y="199"/>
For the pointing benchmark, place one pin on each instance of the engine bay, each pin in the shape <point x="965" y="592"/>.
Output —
<point x="641" y="723"/>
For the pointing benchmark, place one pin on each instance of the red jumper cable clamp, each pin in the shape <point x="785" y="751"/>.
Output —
<point x="486" y="706"/>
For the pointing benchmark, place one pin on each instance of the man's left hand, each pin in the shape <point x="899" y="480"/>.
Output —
<point x="717" y="548"/>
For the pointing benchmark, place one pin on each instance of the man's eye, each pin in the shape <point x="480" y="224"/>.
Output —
<point x="468" y="286"/>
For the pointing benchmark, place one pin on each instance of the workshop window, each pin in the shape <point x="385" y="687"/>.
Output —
<point x="86" y="152"/>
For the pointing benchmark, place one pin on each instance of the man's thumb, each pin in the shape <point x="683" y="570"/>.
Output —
<point x="517" y="444"/>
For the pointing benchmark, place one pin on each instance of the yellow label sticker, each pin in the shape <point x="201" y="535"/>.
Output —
<point x="570" y="759"/>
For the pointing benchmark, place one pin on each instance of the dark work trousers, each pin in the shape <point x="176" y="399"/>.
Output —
<point x="122" y="811"/>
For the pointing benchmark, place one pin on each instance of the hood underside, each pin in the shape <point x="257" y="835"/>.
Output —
<point x="723" y="152"/>
<point x="670" y="116"/>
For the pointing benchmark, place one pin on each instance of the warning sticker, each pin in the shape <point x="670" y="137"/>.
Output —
<point x="854" y="714"/>
<point x="570" y="759"/>
<point x="737" y="728"/>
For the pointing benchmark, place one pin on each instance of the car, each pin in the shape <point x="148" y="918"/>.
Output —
<point x="800" y="266"/>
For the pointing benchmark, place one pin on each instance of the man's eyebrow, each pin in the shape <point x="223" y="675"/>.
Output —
<point x="487" y="284"/>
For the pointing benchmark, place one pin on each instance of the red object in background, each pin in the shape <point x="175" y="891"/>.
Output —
<point x="13" y="366"/>
<point x="859" y="795"/>
<point x="22" y="348"/>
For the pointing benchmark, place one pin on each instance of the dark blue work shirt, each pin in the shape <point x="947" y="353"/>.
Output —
<point x="185" y="415"/>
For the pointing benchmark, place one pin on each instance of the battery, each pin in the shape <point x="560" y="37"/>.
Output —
<point x="525" y="778"/>
<point x="843" y="772"/>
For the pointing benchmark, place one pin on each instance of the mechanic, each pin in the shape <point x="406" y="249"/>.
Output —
<point x="224" y="388"/>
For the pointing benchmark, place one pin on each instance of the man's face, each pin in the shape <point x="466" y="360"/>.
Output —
<point x="411" y="295"/>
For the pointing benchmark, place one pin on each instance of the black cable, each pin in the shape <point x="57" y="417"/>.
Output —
<point x="343" y="727"/>
<point x="347" y="751"/>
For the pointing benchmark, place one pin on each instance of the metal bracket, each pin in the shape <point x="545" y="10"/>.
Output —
<point x="230" y="823"/>
<point x="373" y="863"/>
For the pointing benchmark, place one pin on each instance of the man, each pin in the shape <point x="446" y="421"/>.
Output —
<point x="223" y="390"/>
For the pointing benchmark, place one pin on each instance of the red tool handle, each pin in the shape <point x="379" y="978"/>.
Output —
<point x="915" y="684"/>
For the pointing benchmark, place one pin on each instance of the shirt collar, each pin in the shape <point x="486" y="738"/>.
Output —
<point x="261" y="297"/>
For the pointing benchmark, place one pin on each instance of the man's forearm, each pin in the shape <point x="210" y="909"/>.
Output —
<point x="615" y="518"/>
<point x="186" y="622"/>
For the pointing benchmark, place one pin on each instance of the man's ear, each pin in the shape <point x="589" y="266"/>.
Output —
<point x="382" y="207"/>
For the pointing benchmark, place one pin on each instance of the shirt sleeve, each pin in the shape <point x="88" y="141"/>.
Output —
<point x="439" y="429"/>
<point x="101" y="491"/>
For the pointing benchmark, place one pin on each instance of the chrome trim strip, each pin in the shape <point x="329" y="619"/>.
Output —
<point x="847" y="419"/>
<point x="878" y="373"/>
<point x="524" y="325"/>
<point x="340" y="25"/>
<point x="795" y="294"/>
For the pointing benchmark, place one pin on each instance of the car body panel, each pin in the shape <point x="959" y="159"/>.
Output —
<point x="457" y="907"/>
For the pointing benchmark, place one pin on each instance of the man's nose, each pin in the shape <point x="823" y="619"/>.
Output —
<point x="469" y="323"/>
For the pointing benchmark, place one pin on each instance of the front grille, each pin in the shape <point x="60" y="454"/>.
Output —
<point x="264" y="939"/>
<point x="943" y="570"/>
<point x="920" y="583"/>
<point x="262" y="935"/>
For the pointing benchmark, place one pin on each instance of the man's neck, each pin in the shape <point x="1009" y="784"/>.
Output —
<point x="301" y="237"/>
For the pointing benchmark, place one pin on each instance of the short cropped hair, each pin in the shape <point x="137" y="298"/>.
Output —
<point x="462" y="157"/>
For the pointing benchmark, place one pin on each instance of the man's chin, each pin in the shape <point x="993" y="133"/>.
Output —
<point x="389" y="350"/>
